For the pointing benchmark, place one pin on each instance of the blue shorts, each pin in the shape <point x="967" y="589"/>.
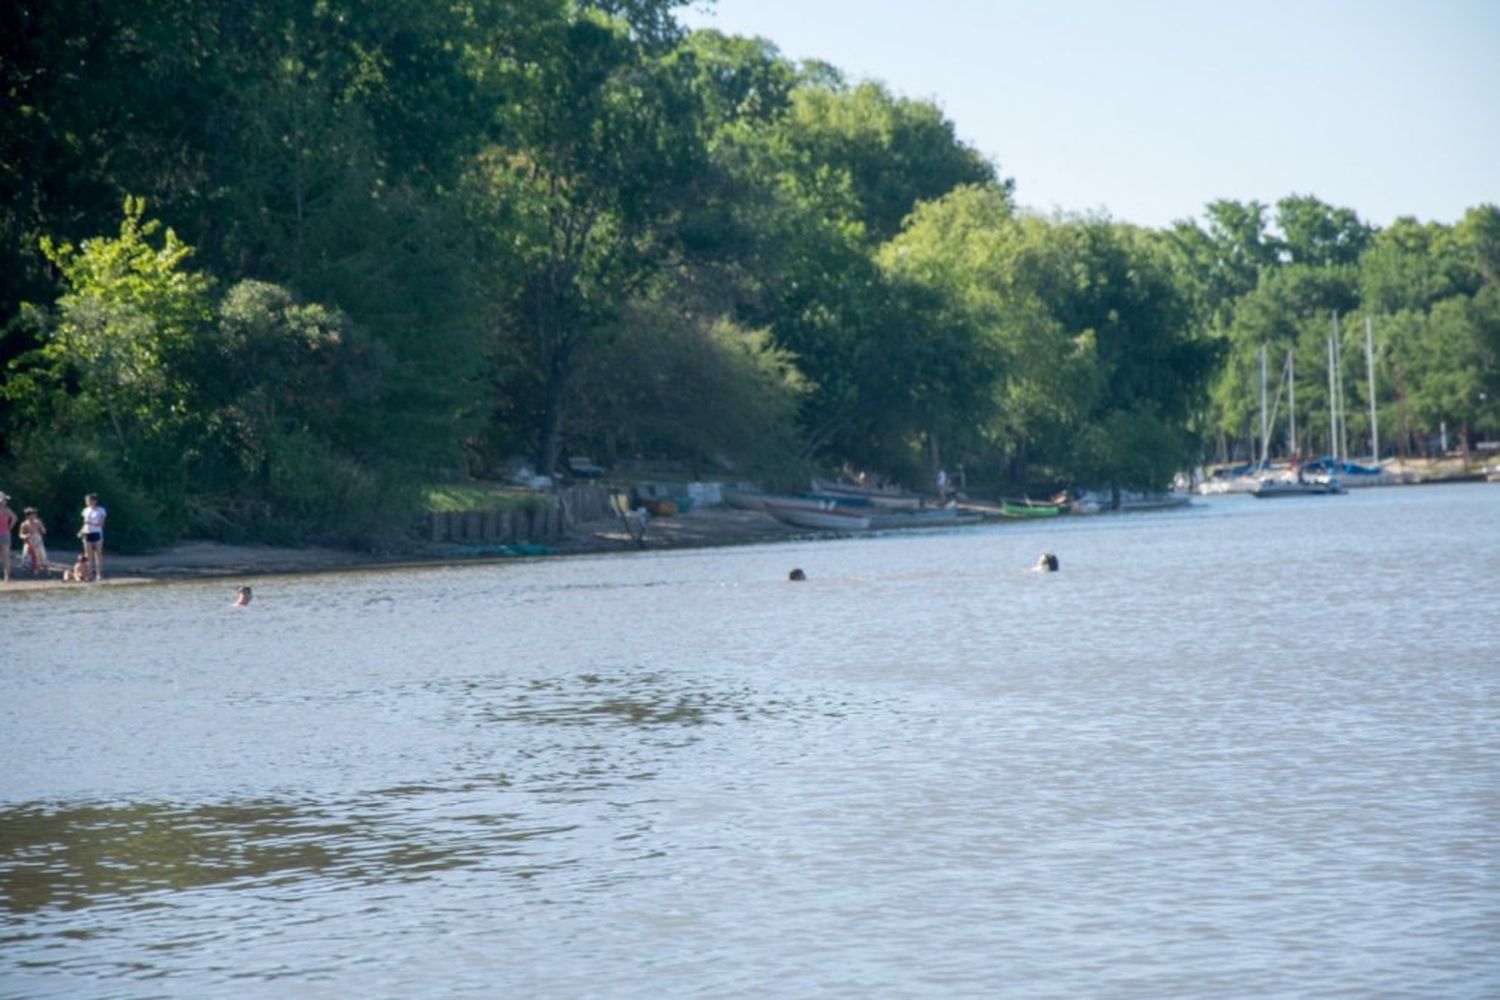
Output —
<point x="93" y="536"/>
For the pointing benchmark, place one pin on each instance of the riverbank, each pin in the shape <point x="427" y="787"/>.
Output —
<point x="703" y="528"/>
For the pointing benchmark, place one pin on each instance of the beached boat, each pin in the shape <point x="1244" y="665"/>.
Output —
<point x="819" y="514"/>
<point x="1028" y="509"/>
<point x="744" y="499"/>
<point x="874" y="496"/>
<point x="930" y="517"/>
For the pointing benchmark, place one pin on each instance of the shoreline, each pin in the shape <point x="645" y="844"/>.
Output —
<point x="702" y="528"/>
<point x="204" y="560"/>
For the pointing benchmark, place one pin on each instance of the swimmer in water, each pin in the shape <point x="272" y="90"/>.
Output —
<point x="796" y="575"/>
<point x="242" y="597"/>
<point x="1046" y="563"/>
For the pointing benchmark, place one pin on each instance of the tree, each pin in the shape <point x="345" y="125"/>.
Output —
<point x="124" y="328"/>
<point x="685" y="384"/>
<point x="582" y="209"/>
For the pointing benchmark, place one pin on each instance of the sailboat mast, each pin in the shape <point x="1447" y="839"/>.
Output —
<point x="1370" y="368"/>
<point x="1291" y="403"/>
<point x="1338" y="371"/>
<point x="1265" y="438"/>
<point x="1333" y="409"/>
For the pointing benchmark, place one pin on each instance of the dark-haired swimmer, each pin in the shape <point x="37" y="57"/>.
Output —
<point x="242" y="597"/>
<point x="796" y="575"/>
<point x="1046" y="563"/>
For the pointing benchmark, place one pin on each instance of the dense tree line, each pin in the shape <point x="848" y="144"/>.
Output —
<point x="268" y="269"/>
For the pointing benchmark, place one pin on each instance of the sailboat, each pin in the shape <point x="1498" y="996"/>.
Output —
<point x="1246" y="478"/>
<point x="1337" y="463"/>
<point x="1296" y="482"/>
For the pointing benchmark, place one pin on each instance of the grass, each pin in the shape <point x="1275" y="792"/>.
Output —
<point x="451" y="497"/>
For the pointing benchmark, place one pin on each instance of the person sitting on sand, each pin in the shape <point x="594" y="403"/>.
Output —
<point x="242" y="597"/>
<point x="80" y="571"/>
<point x="1046" y="563"/>
<point x="34" y="538"/>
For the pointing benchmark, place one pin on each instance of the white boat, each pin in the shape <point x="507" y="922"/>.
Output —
<point x="1218" y="485"/>
<point x="823" y="515"/>
<point x="1091" y="502"/>
<point x="1271" y="488"/>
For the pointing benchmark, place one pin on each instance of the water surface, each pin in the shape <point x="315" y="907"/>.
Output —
<point x="1246" y="749"/>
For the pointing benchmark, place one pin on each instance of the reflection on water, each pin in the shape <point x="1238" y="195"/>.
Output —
<point x="71" y="858"/>
<point x="1233" y="751"/>
<point x="76" y="855"/>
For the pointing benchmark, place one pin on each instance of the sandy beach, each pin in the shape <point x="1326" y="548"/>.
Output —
<point x="702" y="528"/>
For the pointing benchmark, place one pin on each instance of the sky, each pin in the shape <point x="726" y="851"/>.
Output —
<point x="1149" y="109"/>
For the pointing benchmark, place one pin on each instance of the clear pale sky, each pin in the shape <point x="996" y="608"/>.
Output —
<point x="1149" y="109"/>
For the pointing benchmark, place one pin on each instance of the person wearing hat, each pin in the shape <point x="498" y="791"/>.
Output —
<point x="34" y="537"/>
<point x="7" y="525"/>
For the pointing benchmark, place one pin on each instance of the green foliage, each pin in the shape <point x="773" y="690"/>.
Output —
<point x="123" y="329"/>
<point x="707" y="389"/>
<point x="455" y="497"/>
<point x="54" y="474"/>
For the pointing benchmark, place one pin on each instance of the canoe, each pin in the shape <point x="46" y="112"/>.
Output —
<point x="1028" y="508"/>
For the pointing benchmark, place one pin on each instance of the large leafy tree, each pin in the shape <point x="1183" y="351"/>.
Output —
<point x="583" y="207"/>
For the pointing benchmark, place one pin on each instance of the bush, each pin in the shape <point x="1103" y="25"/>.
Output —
<point x="55" y="476"/>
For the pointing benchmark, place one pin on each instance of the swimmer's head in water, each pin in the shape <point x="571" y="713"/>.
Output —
<point x="242" y="596"/>
<point x="796" y="574"/>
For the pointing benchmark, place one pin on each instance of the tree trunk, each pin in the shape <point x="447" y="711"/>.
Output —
<point x="558" y="373"/>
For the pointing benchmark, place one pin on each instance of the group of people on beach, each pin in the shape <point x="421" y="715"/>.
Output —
<point x="32" y="530"/>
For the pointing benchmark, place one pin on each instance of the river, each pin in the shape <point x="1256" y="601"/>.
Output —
<point x="1249" y="748"/>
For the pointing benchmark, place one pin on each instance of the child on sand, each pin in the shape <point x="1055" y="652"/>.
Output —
<point x="34" y="537"/>
<point x="80" y="571"/>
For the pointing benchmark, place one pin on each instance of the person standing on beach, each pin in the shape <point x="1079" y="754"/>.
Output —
<point x="34" y="536"/>
<point x="7" y="525"/>
<point x="92" y="534"/>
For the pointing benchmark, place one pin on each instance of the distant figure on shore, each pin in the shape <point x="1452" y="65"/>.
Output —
<point x="1046" y="563"/>
<point x="92" y="534"/>
<point x="796" y="575"/>
<point x="80" y="571"/>
<point x="7" y="525"/>
<point x="242" y="597"/>
<point x="34" y="538"/>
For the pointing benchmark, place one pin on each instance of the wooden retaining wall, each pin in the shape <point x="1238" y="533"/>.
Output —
<point x="548" y="523"/>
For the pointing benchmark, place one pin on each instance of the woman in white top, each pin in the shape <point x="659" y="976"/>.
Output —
<point x="92" y="534"/>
